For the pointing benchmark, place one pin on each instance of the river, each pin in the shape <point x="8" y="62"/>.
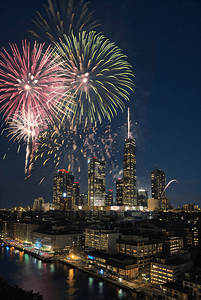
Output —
<point x="54" y="280"/>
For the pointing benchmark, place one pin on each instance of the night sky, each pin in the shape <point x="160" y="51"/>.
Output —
<point x="162" y="42"/>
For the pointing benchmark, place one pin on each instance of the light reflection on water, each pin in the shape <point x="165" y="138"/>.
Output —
<point x="54" y="280"/>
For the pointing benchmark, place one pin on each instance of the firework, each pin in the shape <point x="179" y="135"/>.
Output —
<point x="26" y="127"/>
<point x="31" y="81"/>
<point x="98" y="75"/>
<point x="62" y="17"/>
<point x="168" y="185"/>
<point x="72" y="146"/>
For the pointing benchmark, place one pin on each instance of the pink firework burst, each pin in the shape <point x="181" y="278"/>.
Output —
<point x="26" y="126"/>
<point x="31" y="81"/>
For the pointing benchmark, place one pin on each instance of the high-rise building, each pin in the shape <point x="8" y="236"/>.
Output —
<point x="96" y="182"/>
<point x="142" y="197"/>
<point x="158" y="184"/>
<point x="119" y="192"/>
<point x="129" y="174"/>
<point x="83" y="200"/>
<point x="158" y="188"/>
<point x="62" y="189"/>
<point x="75" y="194"/>
<point x="109" y="198"/>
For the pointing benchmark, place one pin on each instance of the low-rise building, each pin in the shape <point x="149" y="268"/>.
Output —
<point x="173" y="244"/>
<point x="24" y="231"/>
<point x="143" y="249"/>
<point x="173" y="291"/>
<point x="193" y="284"/>
<point x="56" y="241"/>
<point x="101" y="239"/>
<point x="163" y="270"/>
<point x="115" y="266"/>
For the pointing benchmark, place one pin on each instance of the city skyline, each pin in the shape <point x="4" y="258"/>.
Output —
<point x="162" y="44"/>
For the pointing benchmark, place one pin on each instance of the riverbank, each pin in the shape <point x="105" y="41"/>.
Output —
<point x="123" y="285"/>
<point x="27" y="251"/>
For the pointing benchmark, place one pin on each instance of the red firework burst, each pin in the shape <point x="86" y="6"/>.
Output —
<point x="31" y="81"/>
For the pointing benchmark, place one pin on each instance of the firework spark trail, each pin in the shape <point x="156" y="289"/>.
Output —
<point x="61" y="18"/>
<point x="32" y="81"/>
<point x="168" y="185"/>
<point x="99" y="76"/>
<point x="26" y="126"/>
<point x="72" y="147"/>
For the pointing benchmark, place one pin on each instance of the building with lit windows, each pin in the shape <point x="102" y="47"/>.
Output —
<point x="24" y="232"/>
<point x="62" y="190"/>
<point x="169" y="269"/>
<point x="143" y="249"/>
<point x="175" y="291"/>
<point x="96" y="182"/>
<point x="38" y="204"/>
<point x="158" y="188"/>
<point x="129" y="173"/>
<point x="109" y="198"/>
<point x="56" y="241"/>
<point x="173" y="244"/>
<point x="142" y="197"/>
<point x="101" y="239"/>
<point x="76" y="195"/>
<point x="119" y="192"/>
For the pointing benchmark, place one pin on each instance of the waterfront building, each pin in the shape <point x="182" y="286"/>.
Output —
<point x="96" y="182"/>
<point x="23" y="232"/>
<point x="144" y="249"/>
<point x="115" y="266"/>
<point x="142" y="197"/>
<point x="109" y="198"/>
<point x="119" y="192"/>
<point x="56" y="241"/>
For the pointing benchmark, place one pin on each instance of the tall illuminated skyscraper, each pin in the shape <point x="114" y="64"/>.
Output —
<point x="75" y="194"/>
<point x="109" y="198"/>
<point x="62" y="189"/>
<point x="158" y="184"/>
<point x="119" y="192"/>
<point x="96" y="182"/>
<point x="129" y="174"/>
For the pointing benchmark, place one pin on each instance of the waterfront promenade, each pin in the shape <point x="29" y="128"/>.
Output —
<point x="132" y="287"/>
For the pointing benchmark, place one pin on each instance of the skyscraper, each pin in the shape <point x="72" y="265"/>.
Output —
<point x="76" y="194"/>
<point x="109" y="198"/>
<point x="129" y="174"/>
<point x="158" y="184"/>
<point x="96" y="182"/>
<point x="62" y="189"/>
<point x="119" y="192"/>
<point x="158" y="188"/>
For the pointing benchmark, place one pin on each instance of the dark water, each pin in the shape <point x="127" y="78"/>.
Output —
<point x="55" y="281"/>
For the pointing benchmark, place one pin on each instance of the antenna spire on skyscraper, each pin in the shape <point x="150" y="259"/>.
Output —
<point x="128" y="123"/>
